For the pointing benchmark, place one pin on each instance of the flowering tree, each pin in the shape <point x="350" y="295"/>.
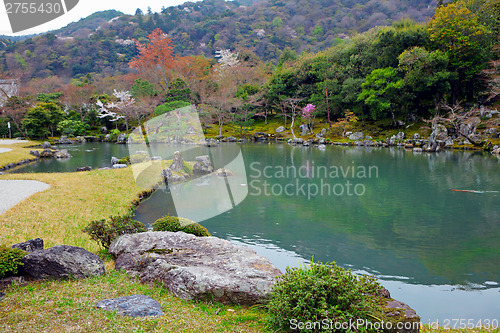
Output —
<point x="226" y="58"/>
<point x="308" y="114"/>
<point x="125" y="102"/>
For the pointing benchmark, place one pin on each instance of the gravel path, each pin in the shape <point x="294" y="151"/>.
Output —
<point x="13" y="192"/>
<point x="4" y="150"/>
<point x="11" y="142"/>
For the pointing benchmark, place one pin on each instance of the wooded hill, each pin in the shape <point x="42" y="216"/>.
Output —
<point x="102" y="43"/>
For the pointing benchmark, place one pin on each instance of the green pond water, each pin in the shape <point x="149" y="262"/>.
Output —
<point x="396" y="216"/>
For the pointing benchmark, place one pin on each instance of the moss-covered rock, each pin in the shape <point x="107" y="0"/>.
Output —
<point x="174" y="224"/>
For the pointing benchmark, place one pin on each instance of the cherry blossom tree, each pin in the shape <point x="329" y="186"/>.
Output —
<point x="308" y="114"/>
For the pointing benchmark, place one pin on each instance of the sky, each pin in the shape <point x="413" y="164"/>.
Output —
<point x="83" y="9"/>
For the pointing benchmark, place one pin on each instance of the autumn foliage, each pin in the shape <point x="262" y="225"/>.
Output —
<point x="156" y="59"/>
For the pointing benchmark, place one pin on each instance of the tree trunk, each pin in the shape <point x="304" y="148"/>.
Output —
<point x="327" y="106"/>
<point x="393" y="117"/>
<point x="291" y="127"/>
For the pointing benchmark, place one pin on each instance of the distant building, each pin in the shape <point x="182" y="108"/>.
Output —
<point x="8" y="88"/>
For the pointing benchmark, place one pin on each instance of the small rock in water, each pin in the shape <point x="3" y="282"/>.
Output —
<point x="223" y="172"/>
<point x="85" y="168"/>
<point x="132" y="306"/>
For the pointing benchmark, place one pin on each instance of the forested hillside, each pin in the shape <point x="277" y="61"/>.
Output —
<point x="102" y="43"/>
<point x="403" y="73"/>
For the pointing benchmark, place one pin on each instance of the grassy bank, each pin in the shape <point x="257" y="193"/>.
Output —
<point x="378" y="130"/>
<point x="69" y="306"/>
<point x="58" y="214"/>
<point x="20" y="152"/>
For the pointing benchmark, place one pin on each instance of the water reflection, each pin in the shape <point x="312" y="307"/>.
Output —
<point x="408" y="223"/>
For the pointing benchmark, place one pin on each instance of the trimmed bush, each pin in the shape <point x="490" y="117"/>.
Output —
<point x="10" y="260"/>
<point x="124" y="160"/>
<point x="174" y="224"/>
<point x="170" y="106"/>
<point x="322" y="292"/>
<point x="105" y="232"/>
<point x="114" y="135"/>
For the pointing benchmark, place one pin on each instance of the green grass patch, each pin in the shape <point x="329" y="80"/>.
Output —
<point x="20" y="152"/>
<point x="69" y="306"/>
<point x="59" y="214"/>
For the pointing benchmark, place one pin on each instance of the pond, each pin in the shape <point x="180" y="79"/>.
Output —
<point x="387" y="212"/>
<point x="94" y="154"/>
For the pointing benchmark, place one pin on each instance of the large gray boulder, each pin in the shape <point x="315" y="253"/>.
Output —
<point x="321" y="134"/>
<point x="203" y="166"/>
<point x="122" y="139"/>
<point x="191" y="267"/>
<point x="46" y="145"/>
<point x="357" y="136"/>
<point x="63" y="153"/>
<point x="440" y="132"/>
<point x="296" y="141"/>
<point x="177" y="163"/>
<point x="132" y="306"/>
<point x="62" y="261"/>
<point x="280" y="129"/>
<point x="64" y="140"/>
<point x="31" y="245"/>
<point x="260" y="136"/>
<point x="47" y="153"/>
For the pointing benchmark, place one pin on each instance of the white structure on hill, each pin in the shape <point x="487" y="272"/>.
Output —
<point x="8" y="88"/>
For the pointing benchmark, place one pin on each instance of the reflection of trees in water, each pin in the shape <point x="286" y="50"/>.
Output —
<point x="408" y="223"/>
<point x="411" y="211"/>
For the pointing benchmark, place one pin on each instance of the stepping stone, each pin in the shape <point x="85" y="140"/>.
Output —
<point x="132" y="306"/>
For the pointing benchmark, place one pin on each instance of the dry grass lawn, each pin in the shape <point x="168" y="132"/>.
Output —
<point x="20" y="151"/>
<point x="58" y="214"/>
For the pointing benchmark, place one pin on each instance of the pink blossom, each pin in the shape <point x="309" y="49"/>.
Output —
<point x="307" y="111"/>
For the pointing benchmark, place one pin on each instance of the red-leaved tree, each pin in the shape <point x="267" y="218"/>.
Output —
<point x="156" y="60"/>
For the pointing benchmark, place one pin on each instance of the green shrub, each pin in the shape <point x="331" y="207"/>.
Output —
<point x="105" y="232"/>
<point x="114" y="135"/>
<point x="481" y="126"/>
<point x="174" y="224"/>
<point x="72" y="127"/>
<point x="124" y="160"/>
<point x="10" y="260"/>
<point x="321" y="292"/>
<point x="170" y="106"/>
